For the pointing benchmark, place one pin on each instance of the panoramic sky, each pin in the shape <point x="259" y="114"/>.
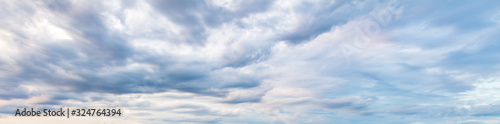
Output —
<point x="252" y="61"/>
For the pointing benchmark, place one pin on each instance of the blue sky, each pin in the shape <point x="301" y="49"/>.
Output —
<point x="222" y="61"/>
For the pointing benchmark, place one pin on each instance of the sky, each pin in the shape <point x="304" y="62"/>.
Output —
<point x="256" y="61"/>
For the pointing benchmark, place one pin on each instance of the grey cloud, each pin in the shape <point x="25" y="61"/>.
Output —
<point x="196" y="110"/>
<point x="466" y="17"/>
<point x="252" y="95"/>
<point x="355" y="105"/>
<point x="446" y="111"/>
<point x="245" y="56"/>
<point x="200" y="111"/>
<point x="51" y="102"/>
<point x="407" y="110"/>
<point x="403" y="74"/>
<point x="9" y="109"/>
<point x="351" y="104"/>
<point x="253" y="99"/>
<point x="8" y="92"/>
<point x="196" y="16"/>
<point x="320" y="17"/>
<point x="104" y="45"/>
<point x="335" y="105"/>
<point x="482" y="60"/>
<point x="487" y="110"/>
<point x="59" y="5"/>
<point x="98" y="48"/>
<point x="196" y="81"/>
<point x="244" y="8"/>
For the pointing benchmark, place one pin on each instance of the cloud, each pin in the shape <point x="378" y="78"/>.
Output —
<point x="253" y="61"/>
<point x="197" y="16"/>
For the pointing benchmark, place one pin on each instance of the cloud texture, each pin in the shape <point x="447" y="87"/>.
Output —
<point x="256" y="61"/>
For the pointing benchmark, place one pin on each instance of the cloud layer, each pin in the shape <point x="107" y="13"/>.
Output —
<point x="253" y="61"/>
